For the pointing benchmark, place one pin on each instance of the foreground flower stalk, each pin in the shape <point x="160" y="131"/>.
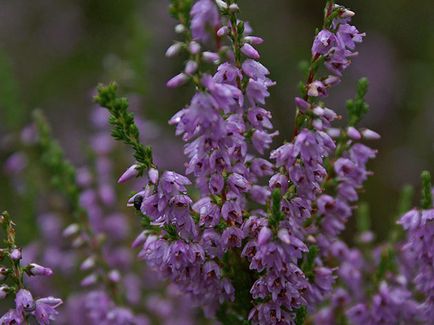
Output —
<point x="220" y="231"/>
<point x="12" y="282"/>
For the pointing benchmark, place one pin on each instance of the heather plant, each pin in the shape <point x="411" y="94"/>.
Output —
<point x="12" y="274"/>
<point x="248" y="233"/>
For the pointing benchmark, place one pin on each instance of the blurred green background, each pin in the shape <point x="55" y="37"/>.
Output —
<point x="54" y="52"/>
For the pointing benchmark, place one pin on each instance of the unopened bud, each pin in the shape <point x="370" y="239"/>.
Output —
<point x="210" y="57"/>
<point x="88" y="263"/>
<point x="255" y="40"/>
<point x="370" y="135"/>
<point x="130" y="173"/>
<point x="16" y="254"/>
<point x="191" y="67"/>
<point x="353" y="133"/>
<point x="250" y="51"/>
<point x="234" y="7"/>
<point x="223" y="31"/>
<point x="264" y="235"/>
<point x="71" y="230"/>
<point x="177" y="80"/>
<point x="194" y="47"/>
<point x="153" y="175"/>
<point x="221" y="4"/>
<point x="4" y="290"/>
<point x="3" y="273"/>
<point x="91" y="279"/>
<point x="114" y="276"/>
<point x="345" y="13"/>
<point x="180" y="28"/>
<point x="283" y="235"/>
<point x="38" y="270"/>
<point x="173" y="50"/>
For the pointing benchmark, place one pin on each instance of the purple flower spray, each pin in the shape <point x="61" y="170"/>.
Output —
<point x="12" y="282"/>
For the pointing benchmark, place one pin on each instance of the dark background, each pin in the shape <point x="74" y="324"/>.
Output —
<point x="54" y="52"/>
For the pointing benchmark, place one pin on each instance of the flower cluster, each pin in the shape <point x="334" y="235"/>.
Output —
<point x="251" y="235"/>
<point x="418" y="247"/>
<point x="12" y="274"/>
<point x="235" y="216"/>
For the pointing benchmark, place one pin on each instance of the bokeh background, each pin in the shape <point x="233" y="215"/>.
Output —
<point x="54" y="52"/>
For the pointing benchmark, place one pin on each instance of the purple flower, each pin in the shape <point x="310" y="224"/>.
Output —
<point x="255" y="70"/>
<point x="204" y="14"/>
<point x="208" y="211"/>
<point x="171" y="182"/>
<point x="232" y="237"/>
<point x="231" y="211"/>
<point x="348" y="36"/>
<point x="323" y="42"/>
<point x="257" y="91"/>
<point x="238" y="183"/>
<point x="24" y="302"/>
<point x="259" y="118"/>
<point x="262" y="140"/>
<point x="45" y="310"/>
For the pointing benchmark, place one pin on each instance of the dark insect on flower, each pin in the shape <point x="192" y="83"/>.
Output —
<point x="138" y="199"/>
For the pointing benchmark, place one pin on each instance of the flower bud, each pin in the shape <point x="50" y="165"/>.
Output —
<point x="177" y="80"/>
<point x="190" y="67"/>
<point x="174" y="49"/>
<point x="194" y="47"/>
<point x="15" y="254"/>
<point x="3" y="273"/>
<point x="334" y="132"/>
<point x="71" y="230"/>
<point x="223" y="31"/>
<point x="264" y="235"/>
<point x="353" y="133"/>
<point x="331" y="81"/>
<point x="140" y="240"/>
<point x="51" y="301"/>
<point x="4" y="290"/>
<point x="221" y="4"/>
<point x="153" y="175"/>
<point x="302" y="105"/>
<point x="180" y="28"/>
<point x="130" y="173"/>
<point x="234" y="7"/>
<point x="91" y="279"/>
<point x="370" y="135"/>
<point x="88" y="263"/>
<point x="78" y="242"/>
<point x="38" y="270"/>
<point x="318" y="111"/>
<point x="283" y="235"/>
<point x="210" y="57"/>
<point x="345" y="13"/>
<point x="114" y="276"/>
<point x="250" y="51"/>
<point x="255" y="40"/>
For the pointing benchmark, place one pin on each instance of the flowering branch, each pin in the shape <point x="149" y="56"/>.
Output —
<point x="43" y="310"/>
<point x="124" y="128"/>
<point x="64" y="180"/>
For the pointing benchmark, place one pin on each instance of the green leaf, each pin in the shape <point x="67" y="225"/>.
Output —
<point x="426" y="201"/>
<point x="363" y="218"/>
<point x="357" y="107"/>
